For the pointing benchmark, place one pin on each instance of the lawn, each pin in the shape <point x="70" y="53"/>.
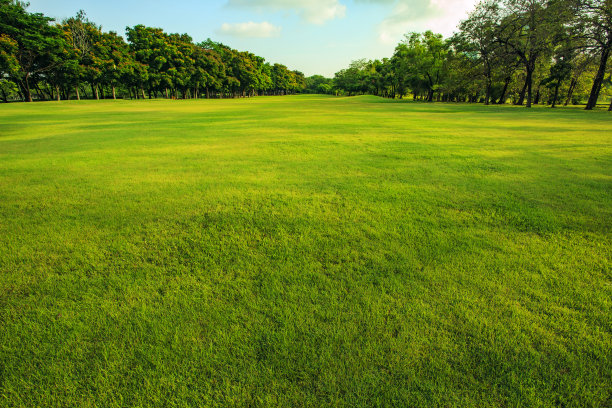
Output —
<point x="304" y="251"/>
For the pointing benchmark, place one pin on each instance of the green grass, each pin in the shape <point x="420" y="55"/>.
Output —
<point x="304" y="251"/>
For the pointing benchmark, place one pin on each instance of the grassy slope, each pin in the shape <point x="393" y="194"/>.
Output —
<point x="304" y="251"/>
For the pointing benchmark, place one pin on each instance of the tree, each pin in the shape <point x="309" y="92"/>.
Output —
<point x="318" y="84"/>
<point x="529" y="28"/>
<point x="477" y="34"/>
<point x="79" y="30"/>
<point x="8" y="60"/>
<point x="39" y="44"/>
<point x="559" y="72"/>
<point x="114" y="59"/>
<point x="595" y="25"/>
<point x="354" y="79"/>
<point x="209" y="66"/>
<point x="164" y="56"/>
<point x="9" y="66"/>
<point x="280" y="79"/>
<point x="420" y="60"/>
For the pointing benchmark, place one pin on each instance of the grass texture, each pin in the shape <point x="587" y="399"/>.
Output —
<point x="304" y="252"/>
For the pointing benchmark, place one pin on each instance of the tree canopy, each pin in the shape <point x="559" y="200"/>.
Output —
<point x="519" y="51"/>
<point x="523" y="51"/>
<point x="41" y="59"/>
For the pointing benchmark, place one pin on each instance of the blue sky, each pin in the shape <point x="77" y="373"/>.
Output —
<point x="315" y="36"/>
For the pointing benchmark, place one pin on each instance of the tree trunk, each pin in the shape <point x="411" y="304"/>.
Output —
<point x="78" y="95"/>
<point x="207" y="93"/>
<point x="166" y="93"/>
<point x="529" y="84"/>
<point x="502" y="98"/>
<point x="94" y="92"/>
<point x="599" y="78"/>
<point x="42" y="94"/>
<point x="488" y="91"/>
<point x="521" y="99"/>
<point x="570" y="92"/>
<point x="114" y="92"/>
<point x="57" y="90"/>
<point x="537" y="97"/>
<point x="28" y="90"/>
<point x="556" y="95"/>
<point x="21" y="90"/>
<point x="142" y="92"/>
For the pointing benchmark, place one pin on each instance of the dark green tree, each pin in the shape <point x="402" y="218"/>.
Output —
<point x="39" y="44"/>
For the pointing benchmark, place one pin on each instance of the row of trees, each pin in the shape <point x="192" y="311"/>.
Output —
<point x="42" y="60"/>
<point x="526" y="51"/>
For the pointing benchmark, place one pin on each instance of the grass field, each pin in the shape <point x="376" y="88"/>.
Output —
<point x="304" y="251"/>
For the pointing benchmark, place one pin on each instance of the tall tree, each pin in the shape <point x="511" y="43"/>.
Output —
<point x="79" y="30"/>
<point x="559" y="72"/>
<point x="114" y="59"/>
<point x="39" y="44"/>
<point x="421" y="59"/>
<point x="477" y="34"/>
<point x="529" y="28"/>
<point x="595" y="24"/>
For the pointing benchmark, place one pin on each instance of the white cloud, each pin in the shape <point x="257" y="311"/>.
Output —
<point x="440" y="16"/>
<point x="250" y="30"/>
<point x="313" y="11"/>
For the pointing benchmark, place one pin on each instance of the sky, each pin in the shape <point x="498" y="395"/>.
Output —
<point x="312" y="36"/>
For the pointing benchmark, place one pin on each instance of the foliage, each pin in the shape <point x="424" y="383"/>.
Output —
<point x="318" y="84"/>
<point x="504" y="50"/>
<point x="57" y="60"/>
<point x="36" y="46"/>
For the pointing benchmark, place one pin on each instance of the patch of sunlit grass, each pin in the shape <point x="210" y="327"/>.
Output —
<point x="304" y="251"/>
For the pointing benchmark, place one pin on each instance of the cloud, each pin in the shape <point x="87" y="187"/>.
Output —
<point x="440" y="16"/>
<point x="313" y="11"/>
<point x="250" y="30"/>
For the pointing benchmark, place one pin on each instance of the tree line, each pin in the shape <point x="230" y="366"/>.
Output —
<point x="523" y="51"/>
<point x="74" y="59"/>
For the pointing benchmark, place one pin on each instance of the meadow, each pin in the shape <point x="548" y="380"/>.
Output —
<point x="304" y="251"/>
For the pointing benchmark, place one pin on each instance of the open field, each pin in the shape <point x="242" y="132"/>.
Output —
<point x="304" y="251"/>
